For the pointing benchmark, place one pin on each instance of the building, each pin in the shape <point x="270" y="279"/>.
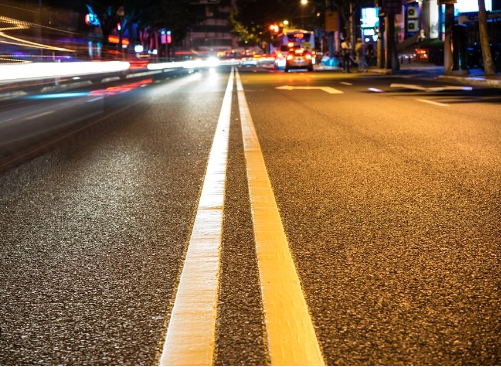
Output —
<point x="214" y="34"/>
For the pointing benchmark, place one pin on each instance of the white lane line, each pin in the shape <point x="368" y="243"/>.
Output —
<point x="448" y="87"/>
<point x="291" y="336"/>
<point x="40" y="115"/>
<point x="376" y="90"/>
<point x="95" y="99"/>
<point x="432" y="102"/>
<point x="345" y="83"/>
<point x="407" y="86"/>
<point x="430" y="89"/>
<point x="329" y="90"/>
<point x="190" y="338"/>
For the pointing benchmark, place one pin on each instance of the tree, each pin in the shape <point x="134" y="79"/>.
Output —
<point x="489" y="67"/>
<point x="175" y="15"/>
<point x="252" y="18"/>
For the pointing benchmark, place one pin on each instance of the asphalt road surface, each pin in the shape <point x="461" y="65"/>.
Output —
<point x="379" y="245"/>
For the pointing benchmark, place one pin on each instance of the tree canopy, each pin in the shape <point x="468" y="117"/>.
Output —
<point x="175" y="15"/>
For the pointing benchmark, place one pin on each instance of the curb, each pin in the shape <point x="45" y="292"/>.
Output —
<point x="481" y="81"/>
<point x="380" y="71"/>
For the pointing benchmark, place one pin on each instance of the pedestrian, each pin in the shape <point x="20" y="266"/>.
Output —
<point x="360" y="51"/>
<point x="346" y="50"/>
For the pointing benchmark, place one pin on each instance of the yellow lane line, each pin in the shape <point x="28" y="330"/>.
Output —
<point x="190" y="336"/>
<point x="291" y="336"/>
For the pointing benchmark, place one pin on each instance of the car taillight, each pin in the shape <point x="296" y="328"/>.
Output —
<point x="308" y="56"/>
<point x="289" y="57"/>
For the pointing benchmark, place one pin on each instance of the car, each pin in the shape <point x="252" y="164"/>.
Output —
<point x="299" y="59"/>
<point x="249" y="61"/>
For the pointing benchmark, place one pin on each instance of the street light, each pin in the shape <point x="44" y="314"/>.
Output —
<point x="286" y="22"/>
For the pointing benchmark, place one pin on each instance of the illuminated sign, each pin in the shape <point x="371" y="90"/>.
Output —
<point x="468" y="6"/>
<point x="91" y="18"/>
<point x="370" y="17"/>
<point x="298" y="35"/>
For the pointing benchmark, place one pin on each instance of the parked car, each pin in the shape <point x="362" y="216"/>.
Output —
<point x="476" y="59"/>
<point x="430" y="51"/>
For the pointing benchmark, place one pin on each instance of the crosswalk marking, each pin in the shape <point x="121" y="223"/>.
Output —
<point x="190" y="338"/>
<point x="291" y="336"/>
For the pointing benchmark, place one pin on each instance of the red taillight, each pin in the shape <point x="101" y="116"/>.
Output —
<point x="289" y="57"/>
<point x="308" y="56"/>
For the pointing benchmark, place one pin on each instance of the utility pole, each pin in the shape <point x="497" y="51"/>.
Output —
<point x="391" y="46"/>
<point x="380" y="35"/>
<point x="449" y="23"/>
<point x="331" y="27"/>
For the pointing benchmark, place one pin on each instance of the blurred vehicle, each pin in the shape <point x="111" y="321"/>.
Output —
<point x="430" y="51"/>
<point x="476" y="59"/>
<point x="290" y="39"/>
<point x="299" y="59"/>
<point x="433" y="51"/>
<point x="249" y="61"/>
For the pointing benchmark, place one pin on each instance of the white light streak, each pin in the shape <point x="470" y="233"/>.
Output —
<point x="13" y="73"/>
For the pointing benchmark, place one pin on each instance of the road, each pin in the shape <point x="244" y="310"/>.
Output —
<point x="360" y="225"/>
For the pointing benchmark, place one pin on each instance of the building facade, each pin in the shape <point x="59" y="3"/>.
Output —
<point x="214" y="34"/>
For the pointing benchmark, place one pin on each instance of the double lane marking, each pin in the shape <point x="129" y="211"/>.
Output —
<point x="190" y="338"/>
<point x="291" y="336"/>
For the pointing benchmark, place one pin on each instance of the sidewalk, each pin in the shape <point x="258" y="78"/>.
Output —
<point x="430" y="71"/>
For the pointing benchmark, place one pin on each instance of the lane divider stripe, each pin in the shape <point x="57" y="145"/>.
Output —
<point x="433" y="102"/>
<point x="291" y="336"/>
<point x="190" y="338"/>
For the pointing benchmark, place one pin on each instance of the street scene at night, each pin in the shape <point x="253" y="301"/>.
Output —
<point x="250" y="182"/>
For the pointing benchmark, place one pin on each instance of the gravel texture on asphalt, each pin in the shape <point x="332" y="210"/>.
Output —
<point x="392" y="209"/>
<point x="94" y="233"/>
